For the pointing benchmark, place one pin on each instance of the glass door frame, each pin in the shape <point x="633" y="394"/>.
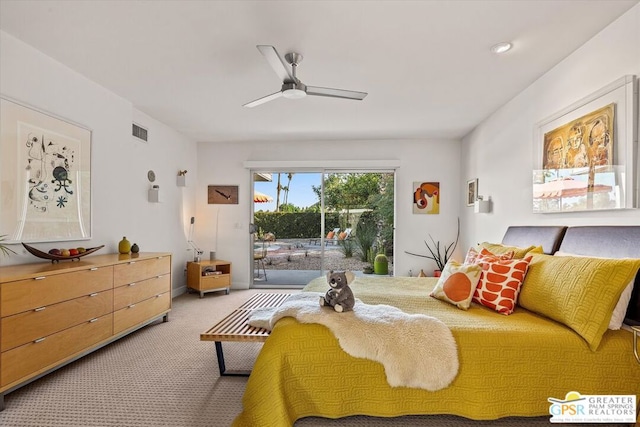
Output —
<point x="323" y="171"/>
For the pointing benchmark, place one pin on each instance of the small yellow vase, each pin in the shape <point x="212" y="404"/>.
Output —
<point x="124" y="247"/>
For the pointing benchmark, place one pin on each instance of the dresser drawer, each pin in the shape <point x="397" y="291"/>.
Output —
<point x="33" y="358"/>
<point x="137" y="291"/>
<point x="43" y="321"/>
<point x="135" y="314"/>
<point x="24" y="295"/>
<point x="135" y="271"/>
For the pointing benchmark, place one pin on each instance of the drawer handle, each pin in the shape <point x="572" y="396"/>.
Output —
<point x="131" y="306"/>
<point x="93" y="269"/>
<point x="39" y="309"/>
<point x="40" y="278"/>
<point x="95" y="294"/>
<point x="38" y="340"/>
<point x="131" y="262"/>
<point x="159" y="277"/>
<point x="159" y="295"/>
<point x="95" y="319"/>
<point x="132" y="284"/>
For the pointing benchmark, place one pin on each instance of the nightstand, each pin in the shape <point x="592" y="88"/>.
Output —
<point x="209" y="276"/>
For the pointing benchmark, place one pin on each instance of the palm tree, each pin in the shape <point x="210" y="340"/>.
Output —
<point x="286" y="189"/>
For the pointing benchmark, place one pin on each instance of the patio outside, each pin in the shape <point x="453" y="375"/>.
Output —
<point x="297" y="261"/>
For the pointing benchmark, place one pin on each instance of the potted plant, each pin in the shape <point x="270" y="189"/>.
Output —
<point x="6" y="251"/>
<point x="381" y="262"/>
<point x="438" y="252"/>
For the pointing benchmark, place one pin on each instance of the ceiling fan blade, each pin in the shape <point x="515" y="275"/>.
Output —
<point x="282" y="70"/>
<point x="335" y="93"/>
<point x="262" y="100"/>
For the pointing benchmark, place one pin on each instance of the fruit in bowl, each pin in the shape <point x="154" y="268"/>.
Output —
<point x="56" y="255"/>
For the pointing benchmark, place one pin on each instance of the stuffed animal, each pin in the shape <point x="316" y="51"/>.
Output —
<point x="340" y="296"/>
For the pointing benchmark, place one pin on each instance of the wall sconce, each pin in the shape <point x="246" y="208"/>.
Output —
<point x="181" y="179"/>
<point x="481" y="205"/>
<point x="154" y="194"/>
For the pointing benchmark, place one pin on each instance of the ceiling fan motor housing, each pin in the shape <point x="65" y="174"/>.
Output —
<point x="295" y="90"/>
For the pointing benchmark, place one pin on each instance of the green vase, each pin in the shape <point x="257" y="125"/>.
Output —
<point x="381" y="264"/>
<point x="134" y="248"/>
<point x="124" y="247"/>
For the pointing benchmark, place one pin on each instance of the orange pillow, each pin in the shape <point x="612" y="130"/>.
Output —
<point x="330" y="235"/>
<point x="342" y="236"/>
<point x="500" y="283"/>
<point x="473" y="256"/>
<point x="457" y="284"/>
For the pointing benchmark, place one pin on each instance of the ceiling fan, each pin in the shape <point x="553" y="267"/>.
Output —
<point x="292" y="87"/>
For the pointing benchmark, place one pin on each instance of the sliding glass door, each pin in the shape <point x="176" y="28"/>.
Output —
<point x="309" y="222"/>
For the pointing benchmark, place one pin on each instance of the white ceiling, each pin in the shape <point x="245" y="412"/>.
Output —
<point x="426" y="64"/>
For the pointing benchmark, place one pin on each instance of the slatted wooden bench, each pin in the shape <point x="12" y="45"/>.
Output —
<point x="234" y="327"/>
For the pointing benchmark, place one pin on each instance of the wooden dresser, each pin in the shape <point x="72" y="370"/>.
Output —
<point x="53" y="314"/>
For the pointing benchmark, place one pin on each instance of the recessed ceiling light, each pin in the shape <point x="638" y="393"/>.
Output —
<point x="501" y="47"/>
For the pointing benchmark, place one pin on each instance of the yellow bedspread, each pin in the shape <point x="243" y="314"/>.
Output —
<point x="509" y="365"/>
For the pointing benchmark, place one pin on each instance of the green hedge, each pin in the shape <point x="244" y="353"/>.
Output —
<point x="294" y="225"/>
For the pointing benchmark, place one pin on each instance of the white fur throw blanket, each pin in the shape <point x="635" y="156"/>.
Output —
<point x="416" y="350"/>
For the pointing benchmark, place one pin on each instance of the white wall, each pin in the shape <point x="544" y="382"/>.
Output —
<point x="500" y="150"/>
<point x="119" y="164"/>
<point x="222" y="163"/>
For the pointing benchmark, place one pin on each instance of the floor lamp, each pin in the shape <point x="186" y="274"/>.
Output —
<point x="197" y="252"/>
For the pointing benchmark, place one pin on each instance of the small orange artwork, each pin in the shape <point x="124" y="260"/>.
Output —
<point x="426" y="197"/>
<point x="584" y="142"/>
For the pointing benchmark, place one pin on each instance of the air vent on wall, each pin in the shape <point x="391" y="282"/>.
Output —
<point x="140" y="132"/>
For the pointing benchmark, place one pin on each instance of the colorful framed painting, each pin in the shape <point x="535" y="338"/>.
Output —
<point x="45" y="176"/>
<point x="426" y="198"/>
<point x="586" y="155"/>
<point x="472" y="191"/>
<point x="583" y="142"/>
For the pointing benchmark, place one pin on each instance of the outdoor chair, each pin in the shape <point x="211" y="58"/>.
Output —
<point x="258" y="258"/>
<point x="345" y="234"/>
<point x="332" y="236"/>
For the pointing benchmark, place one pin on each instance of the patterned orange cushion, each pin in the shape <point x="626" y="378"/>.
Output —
<point x="500" y="283"/>
<point x="342" y="235"/>
<point x="330" y="235"/>
<point x="473" y="255"/>
<point x="457" y="284"/>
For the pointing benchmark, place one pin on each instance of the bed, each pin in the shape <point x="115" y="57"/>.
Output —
<point x="509" y="365"/>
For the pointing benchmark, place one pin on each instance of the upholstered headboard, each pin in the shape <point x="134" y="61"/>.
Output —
<point x="549" y="237"/>
<point x="610" y="242"/>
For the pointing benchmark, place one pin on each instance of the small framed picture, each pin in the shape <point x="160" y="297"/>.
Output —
<point x="222" y="194"/>
<point x="472" y="191"/>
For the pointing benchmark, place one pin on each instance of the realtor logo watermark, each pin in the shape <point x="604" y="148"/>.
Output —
<point x="603" y="408"/>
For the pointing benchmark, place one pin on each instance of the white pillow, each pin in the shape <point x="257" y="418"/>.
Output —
<point x="620" y="310"/>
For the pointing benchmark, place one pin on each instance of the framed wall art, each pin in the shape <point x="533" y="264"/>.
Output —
<point x="222" y="194"/>
<point x="45" y="176"/>
<point x="586" y="156"/>
<point x="426" y="198"/>
<point x="472" y="191"/>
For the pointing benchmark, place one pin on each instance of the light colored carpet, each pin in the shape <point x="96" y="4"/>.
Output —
<point x="163" y="375"/>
